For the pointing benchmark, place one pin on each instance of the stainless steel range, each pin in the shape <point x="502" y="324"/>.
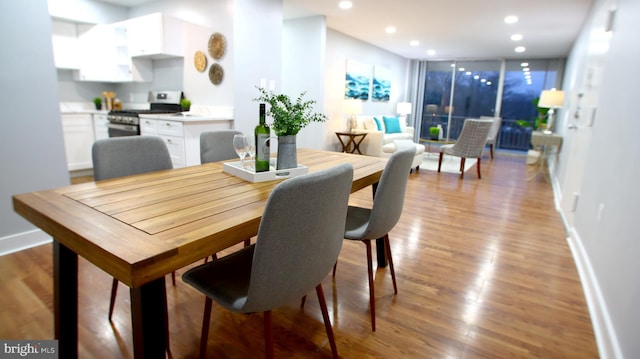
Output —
<point x="127" y="122"/>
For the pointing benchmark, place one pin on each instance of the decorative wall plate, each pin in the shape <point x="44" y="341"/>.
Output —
<point x="216" y="73"/>
<point x="200" y="61"/>
<point x="217" y="45"/>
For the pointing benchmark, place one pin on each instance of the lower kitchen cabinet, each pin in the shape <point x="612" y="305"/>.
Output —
<point x="78" y="133"/>
<point x="182" y="137"/>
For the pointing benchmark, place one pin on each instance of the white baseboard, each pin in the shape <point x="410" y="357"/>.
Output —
<point x="21" y="241"/>
<point x="606" y="339"/>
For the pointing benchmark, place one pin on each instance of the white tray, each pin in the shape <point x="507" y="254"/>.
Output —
<point x="249" y="174"/>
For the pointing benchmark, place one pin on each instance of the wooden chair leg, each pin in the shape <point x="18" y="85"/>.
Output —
<point x="268" y="335"/>
<point x="173" y="278"/>
<point x="327" y="322"/>
<point x="204" y="336"/>
<point x="491" y="150"/>
<point x="247" y="242"/>
<point x="440" y="161"/>
<point x="334" y="268"/>
<point x="462" y="161"/>
<point x="114" y="291"/>
<point x="372" y="299"/>
<point x="304" y="299"/>
<point x="393" y="272"/>
<point x="478" y="165"/>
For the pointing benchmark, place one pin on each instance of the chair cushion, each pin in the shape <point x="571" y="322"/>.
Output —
<point x="392" y="124"/>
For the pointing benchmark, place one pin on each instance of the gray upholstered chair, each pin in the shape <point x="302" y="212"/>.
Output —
<point x="367" y="224"/>
<point x="217" y="146"/>
<point x="492" y="137"/>
<point x="299" y="240"/>
<point x="470" y="143"/>
<point x="126" y="156"/>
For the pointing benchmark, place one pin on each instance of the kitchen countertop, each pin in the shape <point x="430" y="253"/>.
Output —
<point x="185" y="117"/>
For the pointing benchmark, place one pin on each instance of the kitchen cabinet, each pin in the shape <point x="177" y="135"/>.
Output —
<point x="104" y="56"/>
<point x="155" y="36"/>
<point x="181" y="134"/>
<point x="64" y="39"/>
<point x="79" y="136"/>
<point x="100" y="129"/>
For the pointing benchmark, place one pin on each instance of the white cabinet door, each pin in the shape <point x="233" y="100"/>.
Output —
<point x="155" y="36"/>
<point x="64" y="38"/>
<point x="78" y="139"/>
<point x="100" y="129"/>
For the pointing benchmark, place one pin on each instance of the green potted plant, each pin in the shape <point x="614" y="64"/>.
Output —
<point x="185" y="104"/>
<point x="97" y="101"/>
<point x="434" y="132"/>
<point x="289" y="117"/>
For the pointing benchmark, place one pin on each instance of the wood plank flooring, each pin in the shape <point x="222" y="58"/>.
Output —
<point x="483" y="269"/>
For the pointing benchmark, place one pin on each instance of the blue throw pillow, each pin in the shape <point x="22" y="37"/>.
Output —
<point x="377" y="120"/>
<point x="392" y="124"/>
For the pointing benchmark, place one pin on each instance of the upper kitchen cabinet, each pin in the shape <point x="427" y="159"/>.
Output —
<point x="155" y="36"/>
<point x="104" y="55"/>
<point x="64" y="38"/>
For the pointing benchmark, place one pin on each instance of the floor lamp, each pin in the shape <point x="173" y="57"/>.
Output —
<point x="551" y="99"/>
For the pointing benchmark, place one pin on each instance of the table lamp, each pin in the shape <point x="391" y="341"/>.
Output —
<point x="404" y="109"/>
<point x="352" y="107"/>
<point x="551" y="99"/>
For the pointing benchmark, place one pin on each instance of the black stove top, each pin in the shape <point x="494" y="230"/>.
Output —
<point x="131" y="116"/>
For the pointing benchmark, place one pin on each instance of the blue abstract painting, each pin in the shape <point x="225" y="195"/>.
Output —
<point x="381" y="89"/>
<point x="357" y="80"/>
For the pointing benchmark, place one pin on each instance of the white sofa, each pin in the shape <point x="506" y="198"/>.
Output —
<point x="379" y="142"/>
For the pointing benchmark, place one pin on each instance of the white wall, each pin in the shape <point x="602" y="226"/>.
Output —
<point x="31" y="141"/>
<point x="604" y="236"/>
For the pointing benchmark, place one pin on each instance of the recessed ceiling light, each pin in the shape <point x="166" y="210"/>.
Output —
<point x="516" y="37"/>
<point x="431" y="52"/>
<point x="520" y="49"/>
<point x="511" y="19"/>
<point x="390" y="29"/>
<point x="524" y="64"/>
<point x="526" y="69"/>
<point x="345" y="5"/>
<point x="489" y="83"/>
<point x="414" y="43"/>
<point x="460" y="68"/>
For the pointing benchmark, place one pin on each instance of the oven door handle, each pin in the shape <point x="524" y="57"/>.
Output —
<point x="117" y="126"/>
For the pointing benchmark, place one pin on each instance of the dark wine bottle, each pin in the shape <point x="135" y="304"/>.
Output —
<point x="262" y="134"/>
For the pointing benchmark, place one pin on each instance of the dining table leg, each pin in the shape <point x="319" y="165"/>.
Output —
<point x="65" y="300"/>
<point x="148" y="309"/>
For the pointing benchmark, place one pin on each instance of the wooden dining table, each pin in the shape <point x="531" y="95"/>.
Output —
<point x="140" y="228"/>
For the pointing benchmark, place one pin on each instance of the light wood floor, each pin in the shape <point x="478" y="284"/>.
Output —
<point x="483" y="269"/>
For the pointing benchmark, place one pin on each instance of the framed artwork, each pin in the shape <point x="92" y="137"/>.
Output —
<point x="357" y="80"/>
<point x="381" y="89"/>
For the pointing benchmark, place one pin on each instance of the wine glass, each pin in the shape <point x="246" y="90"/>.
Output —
<point x="251" y="150"/>
<point x="240" y="145"/>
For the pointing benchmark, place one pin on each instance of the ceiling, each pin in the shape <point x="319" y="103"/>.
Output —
<point x="454" y="29"/>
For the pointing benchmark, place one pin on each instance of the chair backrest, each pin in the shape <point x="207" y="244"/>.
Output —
<point x="130" y="155"/>
<point x="389" y="196"/>
<point x="495" y="127"/>
<point x="299" y="238"/>
<point x="217" y="146"/>
<point x="472" y="139"/>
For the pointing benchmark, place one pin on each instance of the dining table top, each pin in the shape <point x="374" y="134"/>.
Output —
<point x="139" y="228"/>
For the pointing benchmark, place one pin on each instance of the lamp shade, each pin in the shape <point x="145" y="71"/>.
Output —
<point x="404" y="108"/>
<point x="352" y="106"/>
<point x="551" y="99"/>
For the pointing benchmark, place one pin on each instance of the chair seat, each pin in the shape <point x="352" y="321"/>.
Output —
<point x="226" y="279"/>
<point x="357" y="222"/>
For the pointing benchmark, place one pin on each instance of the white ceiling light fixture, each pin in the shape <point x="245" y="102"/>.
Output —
<point x="511" y="19"/>
<point x="414" y="43"/>
<point x="390" y="29"/>
<point x="524" y="64"/>
<point x="520" y="49"/>
<point x="516" y="37"/>
<point x="345" y="5"/>
<point x="431" y="52"/>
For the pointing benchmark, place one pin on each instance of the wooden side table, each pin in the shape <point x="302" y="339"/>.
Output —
<point x="353" y="142"/>
<point x="544" y="142"/>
